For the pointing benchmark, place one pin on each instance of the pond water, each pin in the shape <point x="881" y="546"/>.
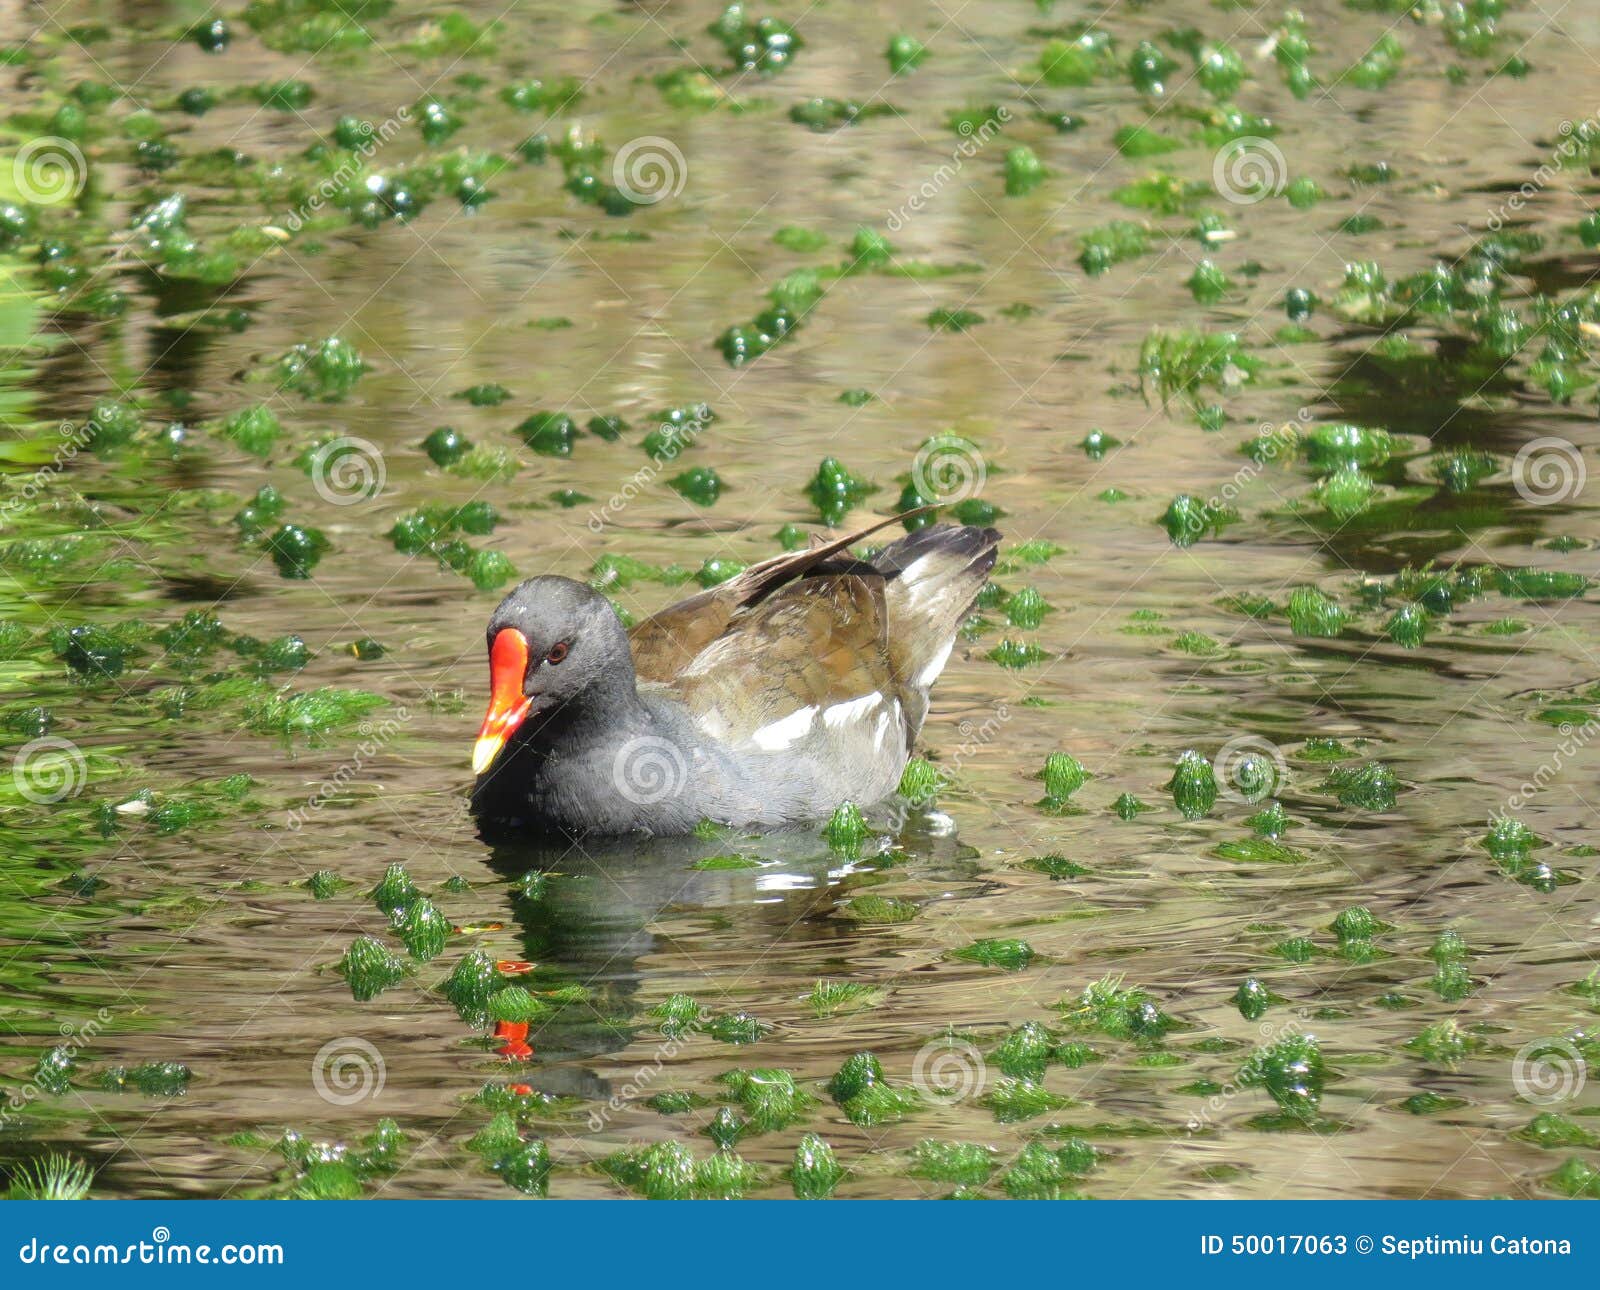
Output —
<point x="1328" y="278"/>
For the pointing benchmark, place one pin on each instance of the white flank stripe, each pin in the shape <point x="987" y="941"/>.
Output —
<point x="780" y="734"/>
<point x="842" y="713"/>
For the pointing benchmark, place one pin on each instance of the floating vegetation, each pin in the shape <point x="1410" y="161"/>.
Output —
<point x="862" y="1093"/>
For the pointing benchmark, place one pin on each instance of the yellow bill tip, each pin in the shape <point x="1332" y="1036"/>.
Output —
<point x="484" y="752"/>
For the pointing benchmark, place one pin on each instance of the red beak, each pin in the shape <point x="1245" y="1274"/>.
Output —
<point x="508" y="706"/>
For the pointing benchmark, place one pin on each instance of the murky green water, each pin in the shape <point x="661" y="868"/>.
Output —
<point x="156" y="907"/>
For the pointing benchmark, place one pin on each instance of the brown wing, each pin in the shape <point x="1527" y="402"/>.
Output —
<point x="808" y="647"/>
<point x="668" y="642"/>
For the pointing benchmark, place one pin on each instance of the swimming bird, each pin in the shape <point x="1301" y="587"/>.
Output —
<point x="766" y="701"/>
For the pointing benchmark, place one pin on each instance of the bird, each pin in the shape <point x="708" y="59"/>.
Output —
<point x="764" y="702"/>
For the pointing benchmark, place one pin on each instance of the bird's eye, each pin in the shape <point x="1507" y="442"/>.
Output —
<point x="558" y="651"/>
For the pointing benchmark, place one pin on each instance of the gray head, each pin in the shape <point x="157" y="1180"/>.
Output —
<point x="551" y="641"/>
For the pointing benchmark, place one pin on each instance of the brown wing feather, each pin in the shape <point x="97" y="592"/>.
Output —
<point x="810" y="644"/>
<point x="668" y="642"/>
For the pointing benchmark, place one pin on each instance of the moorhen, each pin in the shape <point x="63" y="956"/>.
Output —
<point x="768" y="700"/>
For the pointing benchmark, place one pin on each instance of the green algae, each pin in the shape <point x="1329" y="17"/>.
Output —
<point x="1009" y="953"/>
<point x="905" y="53"/>
<point x="1063" y="775"/>
<point x="815" y="1171"/>
<point x="153" y="1079"/>
<point x="1042" y="1172"/>
<point x="1055" y="867"/>
<point x="1311" y="613"/>
<point x="1291" y="1072"/>
<point x="1193" y="785"/>
<point x="846" y="829"/>
<point x="1014" y="1100"/>
<point x="968" y="1163"/>
<point x="1372" y="787"/>
<point x="873" y="908"/>
<point x="829" y="998"/>
<point x="860" y="1090"/>
<point x="369" y="968"/>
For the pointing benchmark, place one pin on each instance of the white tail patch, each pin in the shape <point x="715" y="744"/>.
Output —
<point x="930" y="674"/>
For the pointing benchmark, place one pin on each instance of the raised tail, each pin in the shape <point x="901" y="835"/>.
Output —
<point x="933" y="577"/>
